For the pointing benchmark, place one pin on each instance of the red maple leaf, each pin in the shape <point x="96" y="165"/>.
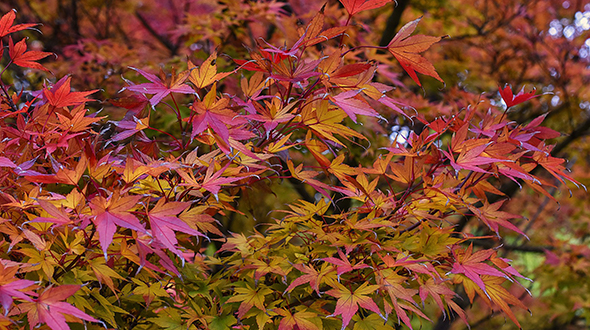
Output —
<point x="213" y="181"/>
<point x="348" y="302"/>
<point x="130" y="127"/>
<point x="491" y="215"/>
<point x="134" y="104"/>
<point x="355" y="6"/>
<point x="214" y="114"/>
<point x="6" y="24"/>
<point x="113" y="211"/>
<point x="438" y="291"/>
<point x="353" y="104"/>
<point x="19" y="55"/>
<point x="161" y="90"/>
<point x="311" y="276"/>
<point x="164" y="221"/>
<point x="261" y="62"/>
<point x="61" y="94"/>
<point x="50" y="308"/>
<point x="406" y="50"/>
<point x="343" y="265"/>
<point x="511" y="100"/>
<point x="470" y="159"/>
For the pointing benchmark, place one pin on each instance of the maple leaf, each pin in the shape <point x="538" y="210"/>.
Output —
<point x="406" y="50"/>
<point x="5" y="162"/>
<point x="58" y="216"/>
<point x="157" y="86"/>
<point x="213" y="181"/>
<point x="63" y="175"/>
<point x="262" y="267"/>
<point x="300" y="321"/>
<point x="491" y="215"/>
<point x="6" y="24"/>
<point x="391" y="283"/>
<point x="511" y="100"/>
<point x="355" y="6"/>
<point x="370" y="322"/>
<point x="436" y="291"/>
<point x="280" y="145"/>
<point x="76" y="121"/>
<point x="303" y="70"/>
<point x="250" y="297"/>
<point x="325" y="121"/>
<point x="353" y="105"/>
<point x="348" y="302"/>
<point x="470" y="159"/>
<point x="343" y="265"/>
<point x="10" y="287"/>
<point x="553" y="165"/>
<point x="61" y="94"/>
<point x="417" y="265"/>
<point x="308" y="178"/>
<point x="113" y="211"/>
<point x="50" y="309"/>
<point x="496" y="294"/>
<point x="19" y="55"/>
<point x="206" y="74"/>
<point x="163" y="222"/>
<point x="149" y="292"/>
<point x="342" y="171"/>
<point x="104" y="273"/>
<point x="312" y="276"/>
<point x="315" y="25"/>
<point x="471" y="265"/>
<point x="131" y="127"/>
<point x="200" y="220"/>
<point x="272" y="113"/>
<point x="214" y="114"/>
<point x="134" y="104"/>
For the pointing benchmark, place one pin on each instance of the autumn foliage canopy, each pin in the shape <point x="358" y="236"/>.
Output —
<point x="252" y="181"/>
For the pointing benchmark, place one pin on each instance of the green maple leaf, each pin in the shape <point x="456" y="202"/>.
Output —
<point x="250" y="297"/>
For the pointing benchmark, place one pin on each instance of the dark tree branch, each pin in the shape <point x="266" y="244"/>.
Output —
<point x="490" y="244"/>
<point x="162" y="39"/>
<point x="393" y="22"/>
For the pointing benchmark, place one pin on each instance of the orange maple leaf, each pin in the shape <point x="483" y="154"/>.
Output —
<point x="406" y="50"/>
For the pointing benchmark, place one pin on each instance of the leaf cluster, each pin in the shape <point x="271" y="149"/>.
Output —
<point x="115" y="223"/>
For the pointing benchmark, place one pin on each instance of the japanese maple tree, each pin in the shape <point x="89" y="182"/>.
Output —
<point x="126" y="217"/>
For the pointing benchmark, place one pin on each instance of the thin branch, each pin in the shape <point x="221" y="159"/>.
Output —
<point x="162" y="39"/>
<point x="393" y="22"/>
